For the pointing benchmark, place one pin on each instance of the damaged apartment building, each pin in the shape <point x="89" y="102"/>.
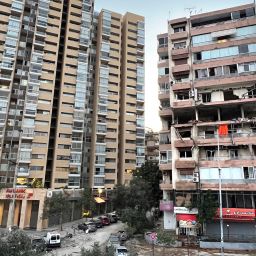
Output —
<point x="207" y="79"/>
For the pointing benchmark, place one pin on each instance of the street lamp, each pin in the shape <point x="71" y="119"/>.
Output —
<point x="100" y="190"/>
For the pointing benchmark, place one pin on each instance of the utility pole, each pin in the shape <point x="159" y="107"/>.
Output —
<point x="220" y="197"/>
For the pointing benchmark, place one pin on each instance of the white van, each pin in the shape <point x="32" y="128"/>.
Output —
<point x="52" y="239"/>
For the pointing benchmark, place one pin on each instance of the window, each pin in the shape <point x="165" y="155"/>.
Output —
<point x="243" y="48"/>
<point x="179" y="29"/>
<point x="210" y="154"/>
<point x="163" y="42"/>
<point x="186" y="153"/>
<point x="233" y="153"/>
<point x="249" y="172"/>
<point x="206" y="97"/>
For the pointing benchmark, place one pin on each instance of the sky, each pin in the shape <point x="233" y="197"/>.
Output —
<point x="156" y="14"/>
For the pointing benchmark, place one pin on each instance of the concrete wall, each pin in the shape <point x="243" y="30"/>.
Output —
<point x="169" y="220"/>
<point x="229" y="246"/>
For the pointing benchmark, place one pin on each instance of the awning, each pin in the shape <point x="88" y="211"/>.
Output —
<point x="186" y="217"/>
<point x="99" y="200"/>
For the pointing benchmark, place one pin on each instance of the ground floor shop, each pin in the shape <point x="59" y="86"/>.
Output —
<point x="28" y="209"/>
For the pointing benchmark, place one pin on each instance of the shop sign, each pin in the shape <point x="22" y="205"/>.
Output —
<point x="166" y="206"/>
<point x="187" y="224"/>
<point x="237" y="214"/>
<point x="18" y="193"/>
<point x="185" y="210"/>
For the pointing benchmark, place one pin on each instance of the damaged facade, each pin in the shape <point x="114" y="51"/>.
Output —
<point x="207" y="78"/>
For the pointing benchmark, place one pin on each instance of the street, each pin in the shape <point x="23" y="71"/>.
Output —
<point x="72" y="246"/>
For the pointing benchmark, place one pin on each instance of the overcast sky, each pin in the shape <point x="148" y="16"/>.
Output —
<point x="156" y="15"/>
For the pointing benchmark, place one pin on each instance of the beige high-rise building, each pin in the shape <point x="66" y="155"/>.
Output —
<point x="207" y="105"/>
<point x="71" y="101"/>
<point x="118" y="123"/>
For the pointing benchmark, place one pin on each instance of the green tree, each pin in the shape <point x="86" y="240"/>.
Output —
<point x="88" y="202"/>
<point x="166" y="238"/>
<point x="57" y="206"/>
<point x="207" y="207"/>
<point x="95" y="251"/>
<point x="150" y="173"/>
<point x="17" y="243"/>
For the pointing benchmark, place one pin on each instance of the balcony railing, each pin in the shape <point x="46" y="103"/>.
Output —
<point x="224" y="158"/>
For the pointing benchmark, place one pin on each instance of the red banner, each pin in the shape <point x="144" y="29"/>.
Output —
<point x="237" y="214"/>
<point x="186" y="217"/>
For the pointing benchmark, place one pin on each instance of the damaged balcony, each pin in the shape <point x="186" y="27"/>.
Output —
<point x="165" y="109"/>
<point x="238" y="134"/>
<point x="185" y="160"/>
<point x="183" y="138"/>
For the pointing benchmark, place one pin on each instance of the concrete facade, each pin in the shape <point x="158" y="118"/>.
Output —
<point x="71" y="97"/>
<point x="206" y="79"/>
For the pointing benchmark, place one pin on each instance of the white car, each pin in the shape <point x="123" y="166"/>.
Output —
<point x="121" y="251"/>
<point x="52" y="239"/>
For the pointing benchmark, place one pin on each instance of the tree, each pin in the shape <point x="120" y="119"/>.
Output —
<point x="166" y="238"/>
<point x="95" y="251"/>
<point x="87" y="201"/>
<point x="17" y="243"/>
<point x="207" y="207"/>
<point x="57" y="206"/>
<point x="150" y="173"/>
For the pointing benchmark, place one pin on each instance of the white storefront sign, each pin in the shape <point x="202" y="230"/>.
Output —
<point x="185" y="210"/>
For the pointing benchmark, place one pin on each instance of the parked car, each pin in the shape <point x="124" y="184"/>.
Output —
<point x="113" y="241"/>
<point x="104" y="220"/>
<point x="112" y="217"/>
<point x="82" y="226"/>
<point x="98" y="223"/>
<point x="123" y="236"/>
<point x="91" y="226"/>
<point x="52" y="239"/>
<point x="38" y="245"/>
<point x="121" y="251"/>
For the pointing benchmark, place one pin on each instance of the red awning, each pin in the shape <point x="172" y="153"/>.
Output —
<point x="186" y="217"/>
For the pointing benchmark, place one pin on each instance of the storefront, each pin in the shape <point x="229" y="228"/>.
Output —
<point x="28" y="210"/>
<point x="187" y="223"/>
<point x="29" y="207"/>
<point x="238" y="223"/>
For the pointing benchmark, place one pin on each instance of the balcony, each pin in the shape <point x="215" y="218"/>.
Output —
<point x="165" y="112"/>
<point x="184" y="143"/>
<point x="230" y="139"/>
<point x="227" y="161"/>
<point x="179" y="35"/>
<point x="225" y="80"/>
<point x="188" y="163"/>
<point x="22" y="172"/>
<point x="186" y="185"/>
<point x="166" y="186"/>
<point x="229" y="185"/>
<point x="184" y="68"/>
<point x="179" y="52"/>
<point x="165" y="166"/>
<point x="164" y="95"/>
<point x="183" y="103"/>
<point x="181" y="85"/>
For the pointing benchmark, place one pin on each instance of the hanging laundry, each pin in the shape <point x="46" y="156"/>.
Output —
<point x="223" y="129"/>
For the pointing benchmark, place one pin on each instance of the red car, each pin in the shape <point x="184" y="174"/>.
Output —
<point x="104" y="220"/>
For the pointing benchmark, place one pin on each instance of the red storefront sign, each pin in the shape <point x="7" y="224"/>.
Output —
<point x="19" y="193"/>
<point x="237" y="214"/>
<point x="186" y="217"/>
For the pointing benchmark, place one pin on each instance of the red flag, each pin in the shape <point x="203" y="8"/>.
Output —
<point x="223" y="129"/>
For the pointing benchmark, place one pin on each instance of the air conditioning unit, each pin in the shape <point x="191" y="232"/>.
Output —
<point x="195" y="177"/>
<point x="49" y="194"/>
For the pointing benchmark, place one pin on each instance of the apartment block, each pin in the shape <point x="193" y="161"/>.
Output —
<point x="118" y="136"/>
<point x="152" y="146"/>
<point x="207" y="89"/>
<point x="70" y="81"/>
